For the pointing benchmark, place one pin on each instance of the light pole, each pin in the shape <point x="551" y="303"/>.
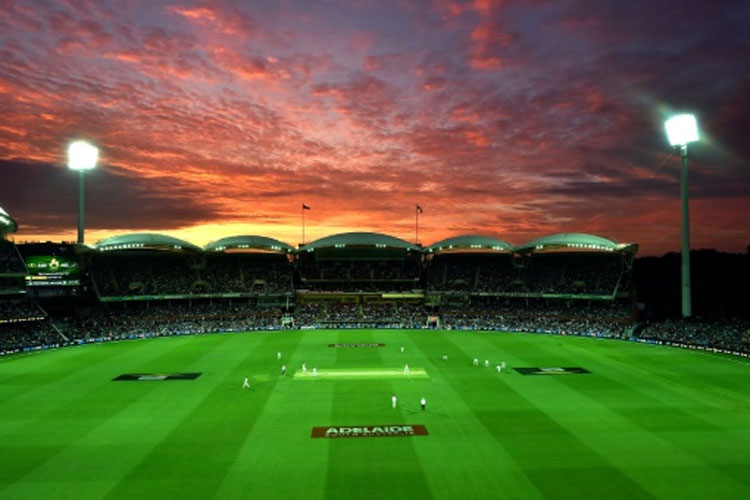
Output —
<point x="681" y="131"/>
<point x="82" y="156"/>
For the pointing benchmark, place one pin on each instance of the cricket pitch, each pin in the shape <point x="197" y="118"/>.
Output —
<point x="361" y="373"/>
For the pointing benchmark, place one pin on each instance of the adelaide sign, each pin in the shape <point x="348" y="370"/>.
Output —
<point x="348" y="431"/>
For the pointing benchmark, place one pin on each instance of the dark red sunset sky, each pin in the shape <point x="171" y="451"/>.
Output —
<point x="515" y="119"/>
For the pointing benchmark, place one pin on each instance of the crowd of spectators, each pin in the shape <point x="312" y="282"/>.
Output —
<point x="156" y="273"/>
<point x="16" y="337"/>
<point x="360" y="275"/>
<point x="372" y="314"/>
<point x="24" y="325"/>
<point x="24" y="309"/>
<point x="347" y="270"/>
<point x="727" y="334"/>
<point x="593" y="319"/>
<point x="10" y="260"/>
<point x="464" y="272"/>
<point x="560" y="273"/>
<point x="175" y="317"/>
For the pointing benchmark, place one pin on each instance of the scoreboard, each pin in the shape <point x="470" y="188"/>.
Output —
<point x="52" y="270"/>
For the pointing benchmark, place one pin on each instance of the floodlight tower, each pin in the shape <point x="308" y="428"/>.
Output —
<point x="82" y="156"/>
<point x="681" y="131"/>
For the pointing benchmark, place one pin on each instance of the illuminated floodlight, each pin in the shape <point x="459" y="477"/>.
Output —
<point x="82" y="155"/>
<point x="682" y="129"/>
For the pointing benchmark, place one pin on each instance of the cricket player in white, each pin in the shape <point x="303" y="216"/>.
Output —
<point x="498" y="368"/>
<point x="476" y="362"/>
<point x="304" y="368"/>
<point x="402" y="348"/>
<point x="423" y="402"/>
<point x="502" y="365"/>
<point x="278" y="355"/>
<point x="486" y="363"/>
<point x="394" y="401"/>
<point x="246" y="384"/>
<point x="283" y="369"/>
<point x="406" y="369"/>
<point x="445" y="357"/>
<point x="315" y="372"/>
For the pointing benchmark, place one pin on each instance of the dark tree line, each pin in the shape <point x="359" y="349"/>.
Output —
<point x="720" y="284"/>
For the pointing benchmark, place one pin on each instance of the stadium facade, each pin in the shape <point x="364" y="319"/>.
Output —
<point x="139" y="284"/>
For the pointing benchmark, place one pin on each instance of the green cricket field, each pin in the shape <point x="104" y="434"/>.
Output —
<point x="569" y="417"/>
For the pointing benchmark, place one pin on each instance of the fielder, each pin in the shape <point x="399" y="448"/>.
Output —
<point x="246" y="384"/>
<point x="423" y="402"/>
<point x="406" y="369"/>
<point x="304" y="368"/>
<point x="476" y="362"/>
<point x="278" y="355"/>
<point x="394" y="400"/>
<point x="283" y="369"/>
<point x="486" y="363"/>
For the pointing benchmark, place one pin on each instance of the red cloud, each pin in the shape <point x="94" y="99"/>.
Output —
<point x="489" y="42"/>
<point x="230" y="22"/>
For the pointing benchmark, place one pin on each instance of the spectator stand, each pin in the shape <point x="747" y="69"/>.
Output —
<point x="470" y="264"/>
<point x="359" y="263"/>
<point x="725" y="335"/>
<point x="12" y="268"/>
<point x="563" y="266"/>
<point x="158" y="267"/>
<point x="576" y="265"/>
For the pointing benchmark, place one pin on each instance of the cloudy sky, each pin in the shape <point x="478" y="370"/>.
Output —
<point x="509" y="118"/>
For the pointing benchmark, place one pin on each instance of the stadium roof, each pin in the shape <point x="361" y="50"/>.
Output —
<point x="470" y="242"/>
<point x="576" y="241"/>
<point x="250" y="242"/>
<point x="373" y="240"/>
<point x="6" y="222"/>
<point x="151" y="241"/>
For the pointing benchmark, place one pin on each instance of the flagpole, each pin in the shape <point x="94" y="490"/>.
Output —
<point x="303" y="223"/>
<point x="416" y="224"/>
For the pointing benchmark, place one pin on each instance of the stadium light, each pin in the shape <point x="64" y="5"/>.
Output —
<point x="682" y="130"/>
<point x="82" y="156"/>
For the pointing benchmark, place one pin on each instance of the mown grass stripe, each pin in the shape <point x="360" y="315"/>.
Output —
<point x="124" y="422"/>
<point x="67" y="405"/>
<point x="463" y="427"/>
<point x="366" y="468"/>
<point x="542" y="441"/>
<point x="203" y="442"/>
<point x="618" y="433"/>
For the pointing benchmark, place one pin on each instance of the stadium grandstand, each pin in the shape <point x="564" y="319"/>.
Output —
<point x="146" y="266"/>
<point x="359" y="262"/>
<point x="11" y="263"/>
<point x="12" y="268"/>
<point x="23" y="324"/>
<point x="147" y="284"/>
